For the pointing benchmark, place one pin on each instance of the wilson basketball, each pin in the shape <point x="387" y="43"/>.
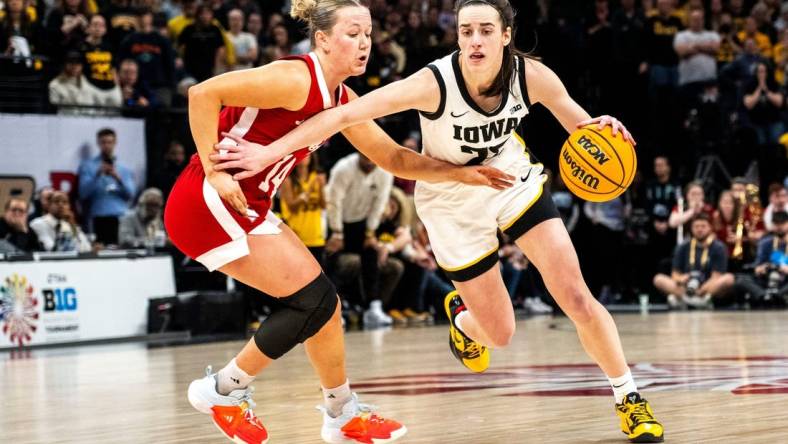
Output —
<point x="596" y="166"/>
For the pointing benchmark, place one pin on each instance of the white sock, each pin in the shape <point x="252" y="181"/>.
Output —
<point x="622" y="386"/>
<point x="231" y="377"/>
<point x="336" y="398"/>
<point x="458" y="321"/>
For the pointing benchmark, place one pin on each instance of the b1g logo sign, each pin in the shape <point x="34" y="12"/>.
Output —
<point x="59" y="299"/>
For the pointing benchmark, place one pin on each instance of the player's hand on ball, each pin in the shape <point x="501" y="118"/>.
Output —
<point x="243" y="155"/>
<point x="615" y="124"/>
<point x="229" y="190"/>
<point x="485" y="176"/>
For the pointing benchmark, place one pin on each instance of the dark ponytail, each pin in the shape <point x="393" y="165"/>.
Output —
<point x="510" y="53"/>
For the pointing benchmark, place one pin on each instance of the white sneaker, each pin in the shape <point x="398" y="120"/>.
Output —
<point x="675" y="303"/>
<point x="231" y="414"/>
<point x="375" y="317"/>
<point x="535" y="306"/>
<point x="358" y="423"/>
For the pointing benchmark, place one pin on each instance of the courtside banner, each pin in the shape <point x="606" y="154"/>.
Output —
<point x="50" y="148"/>
<point x="59" y="301"/>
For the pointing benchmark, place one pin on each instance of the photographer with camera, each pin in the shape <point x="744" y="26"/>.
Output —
<point x="105" y="188"/>
<point x="768" y="285"/>
<point x="699" y="269"/>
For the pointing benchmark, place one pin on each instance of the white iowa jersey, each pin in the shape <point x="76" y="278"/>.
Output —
<point x="461" y="132"/>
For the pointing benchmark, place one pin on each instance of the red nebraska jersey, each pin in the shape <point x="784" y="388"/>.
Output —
<point x="264" y="126"/>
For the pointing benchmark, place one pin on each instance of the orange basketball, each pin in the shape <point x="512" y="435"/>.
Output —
<point x="596" y="166"/>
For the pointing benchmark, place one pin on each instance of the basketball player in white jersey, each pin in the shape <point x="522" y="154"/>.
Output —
<point x="470" y="103"/>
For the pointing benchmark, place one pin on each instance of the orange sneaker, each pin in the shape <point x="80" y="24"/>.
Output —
<point x="358" y="423"/>
<point x="231" y="414"/>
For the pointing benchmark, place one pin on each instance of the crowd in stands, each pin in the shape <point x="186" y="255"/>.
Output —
<point x="700" y="83"/>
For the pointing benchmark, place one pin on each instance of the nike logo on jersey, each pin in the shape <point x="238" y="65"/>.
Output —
<point x="526" y="176"/>
<point x="314" y="147"/>
<point x="458" y="115"/>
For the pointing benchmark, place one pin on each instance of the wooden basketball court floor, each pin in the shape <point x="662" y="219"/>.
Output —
<point x="710" y="376"/>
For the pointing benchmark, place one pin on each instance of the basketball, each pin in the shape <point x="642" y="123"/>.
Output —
<point x="596" y="166"/>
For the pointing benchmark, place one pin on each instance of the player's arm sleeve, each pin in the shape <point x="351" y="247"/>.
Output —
<point x="380" y="202"/>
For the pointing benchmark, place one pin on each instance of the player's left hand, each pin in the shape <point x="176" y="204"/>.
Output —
<point x="485" y="176"/>
<point x="615" y="124"/>
<point x="244" y="155"/>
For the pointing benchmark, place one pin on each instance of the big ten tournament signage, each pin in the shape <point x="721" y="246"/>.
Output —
<point x="60" y="301"/>
<point x="50" y="148"/>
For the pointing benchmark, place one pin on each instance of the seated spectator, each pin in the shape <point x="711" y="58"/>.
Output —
<point x="356" y="197"/>
<point x="14" y="228"/>
<point x="763" y="101"/>
<point x="143" y="226"/>
<point x="134" y="92"/>
<point x="279" y="46"/>
<point x="41" y="203"/>
<point x="244" y="43"/>
<point x="202" y="45"/>
<point x="762" y="41"/>
<point x="699" y="269"/>
<point x="303" y="201"/>
<point x="71" y="88"/>
<point x="769" y="282"/>
<point x="174" y="162"/>
<point x="778" y="201"/>
<point x="154" y="56"/>
<point x="694" y="204"/>
<point x="105" y="188"/>
<point x="58" y="230"/>
<point x="98" y="63"/>
<point x="20" y="33"/>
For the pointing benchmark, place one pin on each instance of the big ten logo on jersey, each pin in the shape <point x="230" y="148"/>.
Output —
<point x="484" y="134"/>
<point x="588" y="145"/>
<point x="59" y="298"/>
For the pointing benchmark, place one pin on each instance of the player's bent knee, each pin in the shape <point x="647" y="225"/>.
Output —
<point x="301" y="316"/>
<point x="577" y="305"/>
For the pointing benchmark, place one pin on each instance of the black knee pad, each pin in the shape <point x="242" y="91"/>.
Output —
<point x="300" y="316"/>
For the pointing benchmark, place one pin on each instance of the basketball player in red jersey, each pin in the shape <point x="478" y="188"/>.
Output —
<point x="227" y="226"/>
<point x="470" y="102"/>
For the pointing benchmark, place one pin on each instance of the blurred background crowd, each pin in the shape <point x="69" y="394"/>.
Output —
<point x="700" y="84"/>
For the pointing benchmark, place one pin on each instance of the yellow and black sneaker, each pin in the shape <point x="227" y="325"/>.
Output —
<point x="638" y="421"/>
<point x="471" y="354"/>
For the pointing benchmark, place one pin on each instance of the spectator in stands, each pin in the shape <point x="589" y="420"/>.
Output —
<point x="730" y="46"/>
<point x="20" y="34"/>
<point x="699" y="269"/>
<point x="694" y="203"/>
<point x="65" y="28"/>
<point x="778" y="201"/>
<point x="247" y="7"/>
<point x="244" y="43"/>
<point x="356" y="195"/>
<point x="279" y="46"/>
<point x="58" y="230"/>
<point x="202" y="45"/>
<point x="714" y="15"/>
<point x="14" y="228"/>
<point x="770" y="278"/>
<point x="134" y="92"/>
<point x="696" y="48"/>
<point x="41" y="202"/>
<point x="762" y="41"/>
<point x="143" y="225"/>
<point x="781" y="24"/>
<point x="607" y="220"/>
<point x="188" y="13"/>
<point x="739" y="14"/>
<point x="780" y="58"/>
<point x="71" y="88"/>
<point x="662" y="59"/>
<point x="254" y="24"/>
<point x="105" y="188"/>
<point x="628" y="24"/>
<point x="661" y="195"/>
<point x="303" y="201"/>
<point x="763" y="101"/>
<point x="763" y="21"/>
<point x="154" y="56"/>
<point x="123" y="17"/>
<point x="99" y="67"/>
<point x="174" y="162"/>
<point x="386" y="62"/>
